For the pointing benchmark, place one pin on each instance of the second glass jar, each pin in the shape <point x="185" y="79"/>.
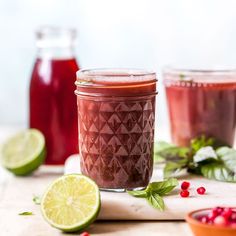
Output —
<point x="116" y="114"/>
<point x="201" y="102"/>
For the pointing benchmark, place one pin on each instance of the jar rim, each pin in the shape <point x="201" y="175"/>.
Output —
<point x="114" y="76"/>
<point x="189" y="71"/>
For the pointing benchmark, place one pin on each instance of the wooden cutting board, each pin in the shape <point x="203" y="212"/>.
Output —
<point x="121" y="206"/>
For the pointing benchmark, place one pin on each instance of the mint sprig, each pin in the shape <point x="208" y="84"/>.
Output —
<point x="155" y="191"/>
<point x="205" y="156"/>
<point x="156" y="201"/>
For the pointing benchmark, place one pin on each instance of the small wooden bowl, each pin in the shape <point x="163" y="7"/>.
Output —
<point x="201" y="229"/>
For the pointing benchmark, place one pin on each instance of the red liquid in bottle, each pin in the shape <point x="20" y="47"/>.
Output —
<point x="53" y="106"/>
<point x="203" y="103"/>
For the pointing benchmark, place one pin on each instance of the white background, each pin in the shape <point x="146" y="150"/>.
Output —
<point x="114" y="33"/>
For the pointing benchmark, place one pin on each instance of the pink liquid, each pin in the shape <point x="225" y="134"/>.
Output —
<point x="204" y="106"/>
<point x="53" y="106"/>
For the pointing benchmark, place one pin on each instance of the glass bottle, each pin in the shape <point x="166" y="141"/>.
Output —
<point x="52" y="107"/>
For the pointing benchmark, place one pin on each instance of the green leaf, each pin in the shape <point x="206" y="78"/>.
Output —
<point x="138" y="193"/>
<point x="163" y="187"/>
<point x="160" y="147"/>
<point x="174" y="154"/>
<point x="172" y="168"/>
<point x="222" y="151"/>
<point x="154" y="191"/>
<point x="228" y="157"/>
<point x="218" y="171"/>
<point x="26" y="213"/>
<point x="203" y="141"/>
<point x="156" y="201"/>
<point x="205" y="154"/>
<point x="181" y="76"/>
<point x="200" y="142"/>
<point x="37" y="200"/>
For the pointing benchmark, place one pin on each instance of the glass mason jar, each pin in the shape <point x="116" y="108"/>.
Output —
<point x="201" y="102"/>
<point x="116" y="112"/>
<point x="52" y="107"/>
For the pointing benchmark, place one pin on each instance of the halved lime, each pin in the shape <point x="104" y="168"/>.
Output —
<point x="71" y="203"/>
<point x="24" y="152"/>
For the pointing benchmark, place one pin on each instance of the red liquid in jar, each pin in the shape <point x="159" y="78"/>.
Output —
<point x="53" y="106"/>
<point x="116" y="132"/>
<point x="202" y="107"/>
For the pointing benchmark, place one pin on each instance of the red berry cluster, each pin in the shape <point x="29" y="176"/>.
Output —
<point x="220" y="216"/>
<point x="184" y="189"/>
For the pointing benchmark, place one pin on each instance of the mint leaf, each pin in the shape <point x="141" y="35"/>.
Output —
<point x="202" y="157"/>
<point x="138" y="193"/>
<point x="154" y="192"/>
<point x="203" y="141"/>
<point x="205" y="154"/>
<point x="181" y="76"/>
<point x="200" y="142"/>
<point x="156" y="201"/>
<point x="218" y="171"/>
<point x="160" y="147"/>
<point x="172" y="168"/>
<point x="26" y="213"/>
<point x="163" y="187"/>
<point x="37" y="200"/>
<point x="223" y="151"/>
<point x="228" y="157"/>
<point x="177" y="158"/>
<point x="174" y="154"/>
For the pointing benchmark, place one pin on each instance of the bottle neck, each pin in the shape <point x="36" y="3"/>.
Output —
<point x="56" y="52"/>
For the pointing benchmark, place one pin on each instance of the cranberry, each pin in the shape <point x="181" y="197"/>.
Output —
<point x="220" y="221"/>
<point x="184" y="193"/>
<point x="85" y="234"/>
<point x="185" y="185"/>
<point x="201" y="190"/>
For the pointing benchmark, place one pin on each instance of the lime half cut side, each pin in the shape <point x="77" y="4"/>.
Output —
<point x="24" y="152"/>
<point x="71" y="203"/>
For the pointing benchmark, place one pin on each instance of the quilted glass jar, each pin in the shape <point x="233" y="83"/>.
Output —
<point x="116" y="114"/>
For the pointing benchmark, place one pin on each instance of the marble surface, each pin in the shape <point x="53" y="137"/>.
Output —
<point x="16" y="194"/>
<point x="118" y="210"/>
<point x="121" y="206"/>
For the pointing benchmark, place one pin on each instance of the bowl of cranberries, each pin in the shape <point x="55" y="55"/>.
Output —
<point x="218" y="221"/>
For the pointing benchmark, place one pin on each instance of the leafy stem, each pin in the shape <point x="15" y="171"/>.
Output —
<point x="205" y="156"/>
<point x="155" y="191"/>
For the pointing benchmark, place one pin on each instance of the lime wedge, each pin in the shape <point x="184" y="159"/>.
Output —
<point x="71" y="203"/>
<point x="24" y="152"/>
